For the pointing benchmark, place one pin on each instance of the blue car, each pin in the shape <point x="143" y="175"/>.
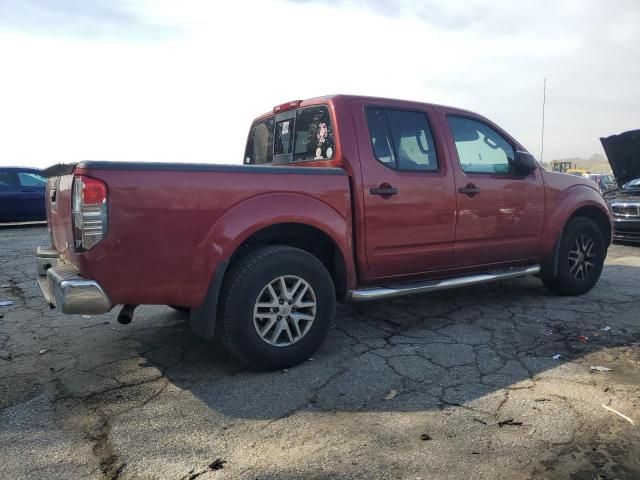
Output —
<point x="22" y="193"/>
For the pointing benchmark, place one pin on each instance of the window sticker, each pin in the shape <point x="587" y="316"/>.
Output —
<point x="323" y="133"/>
<point x="314" y="135"/>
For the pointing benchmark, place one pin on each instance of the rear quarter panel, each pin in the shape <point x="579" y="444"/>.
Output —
<point x="168" y="230"/>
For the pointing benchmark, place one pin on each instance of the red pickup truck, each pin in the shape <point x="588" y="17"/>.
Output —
<point x="341" y="198"/>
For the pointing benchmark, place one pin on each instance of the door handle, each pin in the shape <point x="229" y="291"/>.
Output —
<point x="384" y="190"/>
<point x="471" y="190"/>
<point x="27" y="189"/>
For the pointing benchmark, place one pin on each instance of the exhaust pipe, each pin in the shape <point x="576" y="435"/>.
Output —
<point x="126" y="314"/>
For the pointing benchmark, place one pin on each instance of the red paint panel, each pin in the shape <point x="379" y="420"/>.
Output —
<point x="504" y="221"/>
<point x="169" y="230"/>
<point x="564" y="195"/>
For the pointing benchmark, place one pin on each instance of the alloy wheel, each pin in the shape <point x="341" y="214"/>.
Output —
<point x="284" y="311"/>
<point x="582" y="257"/>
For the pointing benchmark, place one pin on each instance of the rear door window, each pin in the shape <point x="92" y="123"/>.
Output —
<point x="380" y="134"/>
<point x="402" y="139"/>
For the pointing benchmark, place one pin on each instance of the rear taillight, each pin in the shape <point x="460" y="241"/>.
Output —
<point x="89" y="209"/>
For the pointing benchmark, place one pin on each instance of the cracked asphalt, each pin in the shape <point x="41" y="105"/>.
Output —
<point x="459" y="384"/>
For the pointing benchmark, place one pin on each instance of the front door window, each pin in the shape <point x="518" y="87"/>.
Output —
<point x="480" y="148"/>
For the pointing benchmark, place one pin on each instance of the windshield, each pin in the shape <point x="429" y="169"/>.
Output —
<point x="633" y="184"/>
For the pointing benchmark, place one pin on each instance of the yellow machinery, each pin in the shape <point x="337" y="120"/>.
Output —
<point x="577" y="171"/>
<point x="562" y="166"/>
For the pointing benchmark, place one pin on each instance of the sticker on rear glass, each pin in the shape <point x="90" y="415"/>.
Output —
<point x="323" y="132"/>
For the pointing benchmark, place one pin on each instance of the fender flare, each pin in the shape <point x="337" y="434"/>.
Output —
<point x="246" y="218"/>
<point x="570" y="201"/>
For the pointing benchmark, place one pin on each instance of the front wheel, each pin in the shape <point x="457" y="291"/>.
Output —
<point x="277" y="306"/>
<point x="581" y="258"/>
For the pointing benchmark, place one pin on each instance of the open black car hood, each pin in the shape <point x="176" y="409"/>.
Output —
<point x="623" y="153"/>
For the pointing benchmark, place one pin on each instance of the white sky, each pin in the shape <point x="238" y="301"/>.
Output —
<point x="181" y="80"/>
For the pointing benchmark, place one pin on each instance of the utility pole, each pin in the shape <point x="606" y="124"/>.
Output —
<point x="544" y="100"/>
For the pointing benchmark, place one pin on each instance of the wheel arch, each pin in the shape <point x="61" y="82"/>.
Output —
<point x="306" y="237"/>
<point x="595" y="211"/>
<point x="291" y="219"/>
<point x="596" y="215"/>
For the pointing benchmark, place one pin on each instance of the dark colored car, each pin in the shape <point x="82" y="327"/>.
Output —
<point x="606" y="183"/>
<point x="22" y="195"/>
<point x="625" y="207"/>
<point x="623" y="153"/>
<point x="341" y="198"/>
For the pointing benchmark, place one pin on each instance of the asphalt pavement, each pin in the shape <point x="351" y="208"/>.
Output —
<point x="501" y="381"/>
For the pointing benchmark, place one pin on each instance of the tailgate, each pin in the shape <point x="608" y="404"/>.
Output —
<point x="58" y="206"/>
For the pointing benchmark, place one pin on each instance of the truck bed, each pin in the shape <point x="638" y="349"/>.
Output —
<point x="170" y="223"/>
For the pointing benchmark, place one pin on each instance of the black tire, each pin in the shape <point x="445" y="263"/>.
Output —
<point x="180" y="308"/>
<point x="245" y="287"/>
<point x="570" y="279"/>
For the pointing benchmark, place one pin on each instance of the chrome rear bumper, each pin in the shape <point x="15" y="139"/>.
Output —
<point x="65" y="289"/>
<point x="46" y="257"/>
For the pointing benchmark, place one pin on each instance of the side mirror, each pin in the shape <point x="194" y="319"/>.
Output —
<point x="524" y="163"/>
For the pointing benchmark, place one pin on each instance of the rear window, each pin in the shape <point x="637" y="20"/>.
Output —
<point x="314" y="135"/>
<point x="302" y="135"/>
<point x="259" y="147"/>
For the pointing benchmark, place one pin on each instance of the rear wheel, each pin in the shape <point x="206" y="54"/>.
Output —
<point x="581" y="258"/>
<point x="277" y="306"/>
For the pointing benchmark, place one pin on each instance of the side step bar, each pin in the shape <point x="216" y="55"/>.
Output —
<point x="398" y="290"/>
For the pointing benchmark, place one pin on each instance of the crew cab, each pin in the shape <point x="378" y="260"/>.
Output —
<point x="340" y="198"/>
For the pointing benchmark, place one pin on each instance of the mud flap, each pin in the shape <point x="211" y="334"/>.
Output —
<point x="549" y="267"/>
<point x="202" y="320"/>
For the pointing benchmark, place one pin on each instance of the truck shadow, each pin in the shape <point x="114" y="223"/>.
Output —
<point x="414" y="354"/>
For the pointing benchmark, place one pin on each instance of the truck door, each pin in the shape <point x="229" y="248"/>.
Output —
<point x="11" y="206"/>
<point x="500" y="213"/>
<point x="32" y="187"/>
<point x="407" y="190"/>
